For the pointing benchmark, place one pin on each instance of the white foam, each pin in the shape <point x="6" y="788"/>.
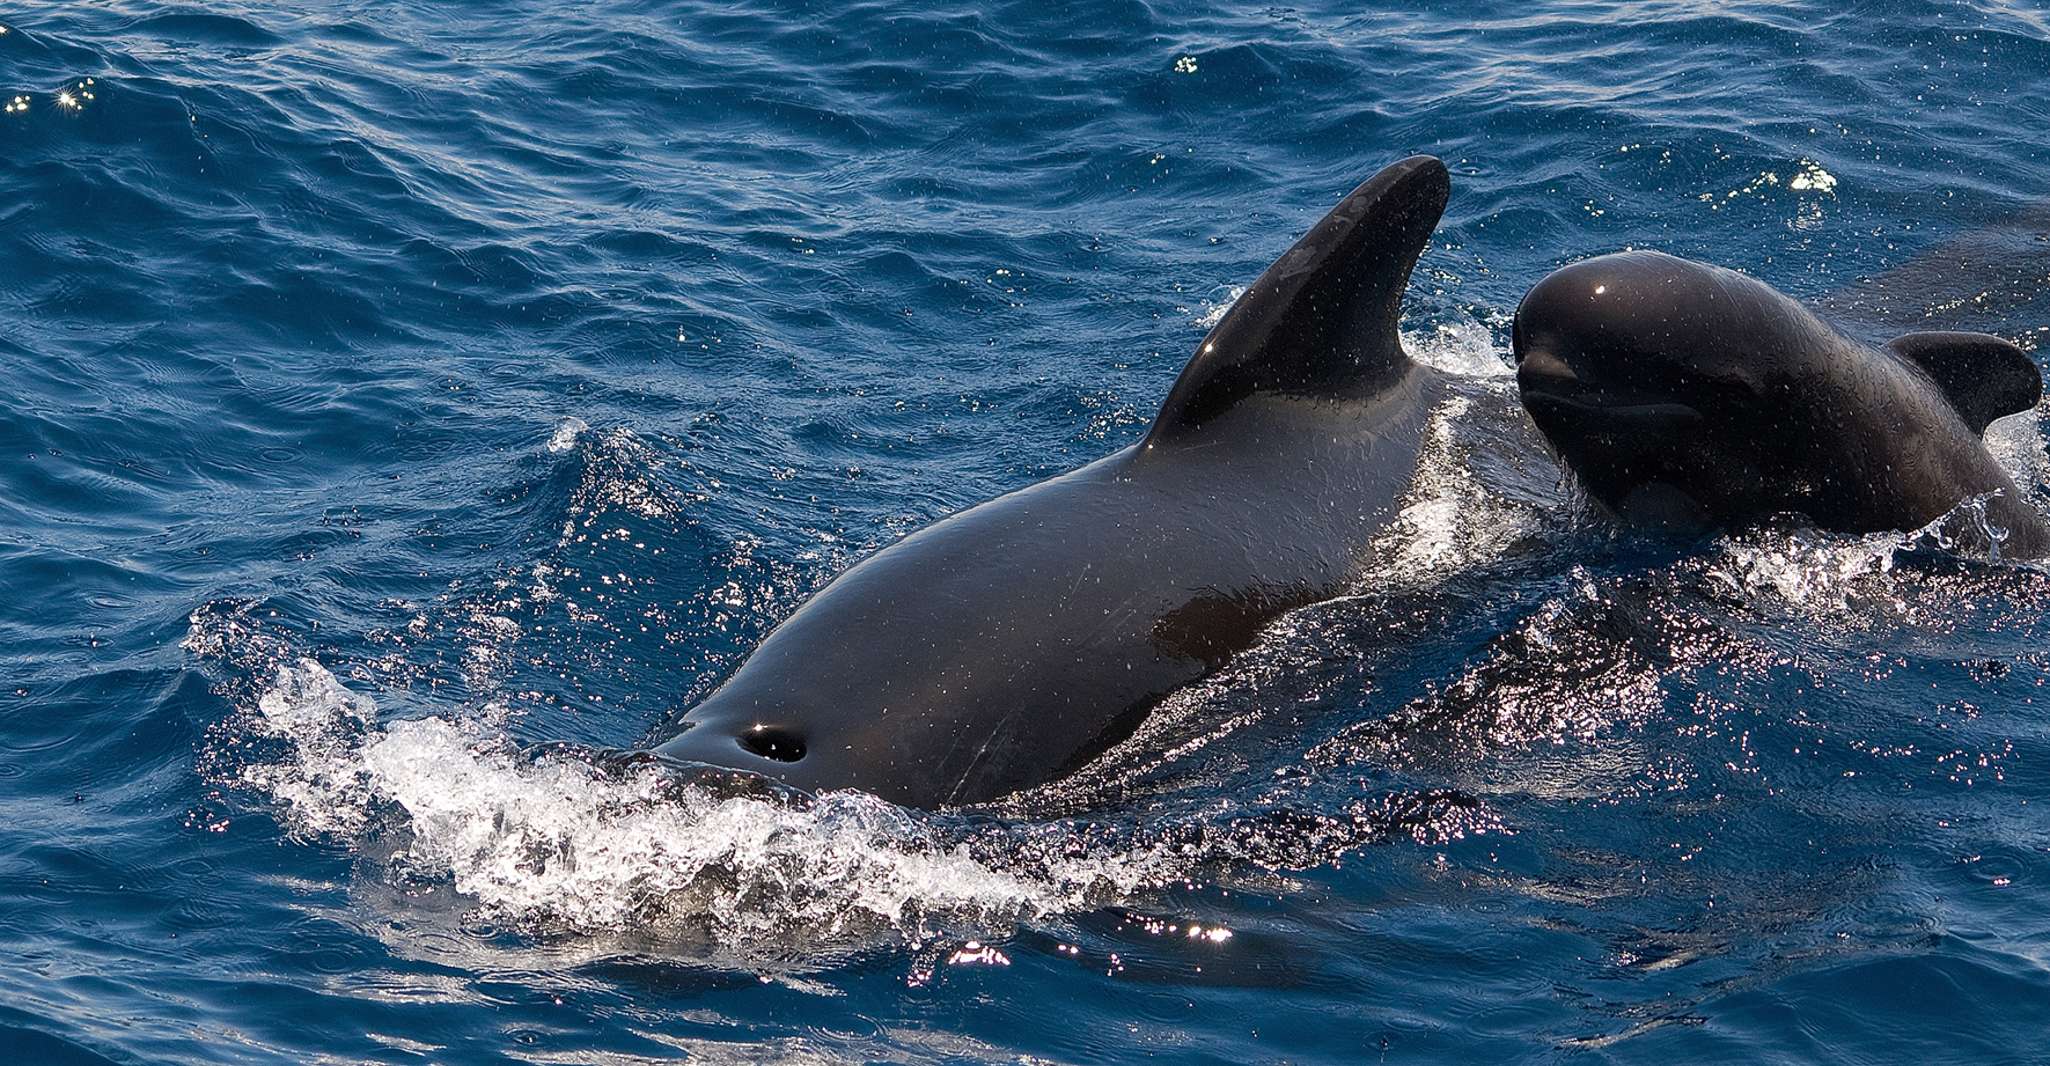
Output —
<point x="1462" y="349"/>
<point x="1215" y="310"/>
<point x="556" y="841"/>
<point x="1809" y="176"/>
<point x="566" y="433"/>
<point x="1833" y="574"/>
<point x="1803" y="568"/>
<point x="325" y="788"/>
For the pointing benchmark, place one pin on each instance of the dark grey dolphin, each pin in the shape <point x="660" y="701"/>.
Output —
<point x="1009" y="644"/>
<point x="1685" y="393"/>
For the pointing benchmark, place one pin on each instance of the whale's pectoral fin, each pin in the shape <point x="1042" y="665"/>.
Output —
<point x="1984" y="376"/>
<point x="1322" y="320"/>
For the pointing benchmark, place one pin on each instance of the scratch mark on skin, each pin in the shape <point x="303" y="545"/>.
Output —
<point x="1077" y="586"/>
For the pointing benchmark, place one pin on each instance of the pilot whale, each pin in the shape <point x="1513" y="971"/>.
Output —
<point x="1691" y="395"/>
<point x="1011" y="643"/>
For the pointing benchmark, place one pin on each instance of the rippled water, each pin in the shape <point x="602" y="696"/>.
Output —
<point x="409" y="405"/>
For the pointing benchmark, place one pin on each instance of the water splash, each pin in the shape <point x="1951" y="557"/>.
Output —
<point x="566" y="433"/>
<point x="555" y="840"/>
<point x="1463" y="349"/>
<point x="566" y="839"/>
<point x="1831" y="574"/>
<point x="1214" y="310"/>
<point x="1803" y="568"/>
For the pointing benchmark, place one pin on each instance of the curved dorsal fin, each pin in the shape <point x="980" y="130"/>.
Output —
<point x="1983" y="376"/>
<point x="1322" y="320"/>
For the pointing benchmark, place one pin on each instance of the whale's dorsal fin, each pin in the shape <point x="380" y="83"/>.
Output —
<point x="1983" y="376"/>
<point x="1322" y="320"/>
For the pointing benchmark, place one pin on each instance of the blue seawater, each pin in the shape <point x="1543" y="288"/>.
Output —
<point x="406" y="402"/>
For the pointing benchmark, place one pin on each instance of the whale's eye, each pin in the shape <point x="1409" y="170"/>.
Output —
<point x="773" y="742"/>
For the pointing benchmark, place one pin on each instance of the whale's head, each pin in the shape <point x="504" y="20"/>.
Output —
<point x="1681" y="394"/>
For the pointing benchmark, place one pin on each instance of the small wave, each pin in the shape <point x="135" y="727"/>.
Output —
<point x="566" y="433"/>
<point x="555" y="840"/>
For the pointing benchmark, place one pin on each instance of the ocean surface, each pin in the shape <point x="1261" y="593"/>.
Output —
<point x="407" y="404"/>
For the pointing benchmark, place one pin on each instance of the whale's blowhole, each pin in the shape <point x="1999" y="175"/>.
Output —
<point x="773" y="742"/>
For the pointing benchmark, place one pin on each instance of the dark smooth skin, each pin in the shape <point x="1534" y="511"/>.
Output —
<point x="1684" y="394"/>
<point x="1009" y="644"/>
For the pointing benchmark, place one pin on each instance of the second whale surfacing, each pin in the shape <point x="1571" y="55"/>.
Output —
<point x="1684" y="394"/>
<point x="1009" y="644"/>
